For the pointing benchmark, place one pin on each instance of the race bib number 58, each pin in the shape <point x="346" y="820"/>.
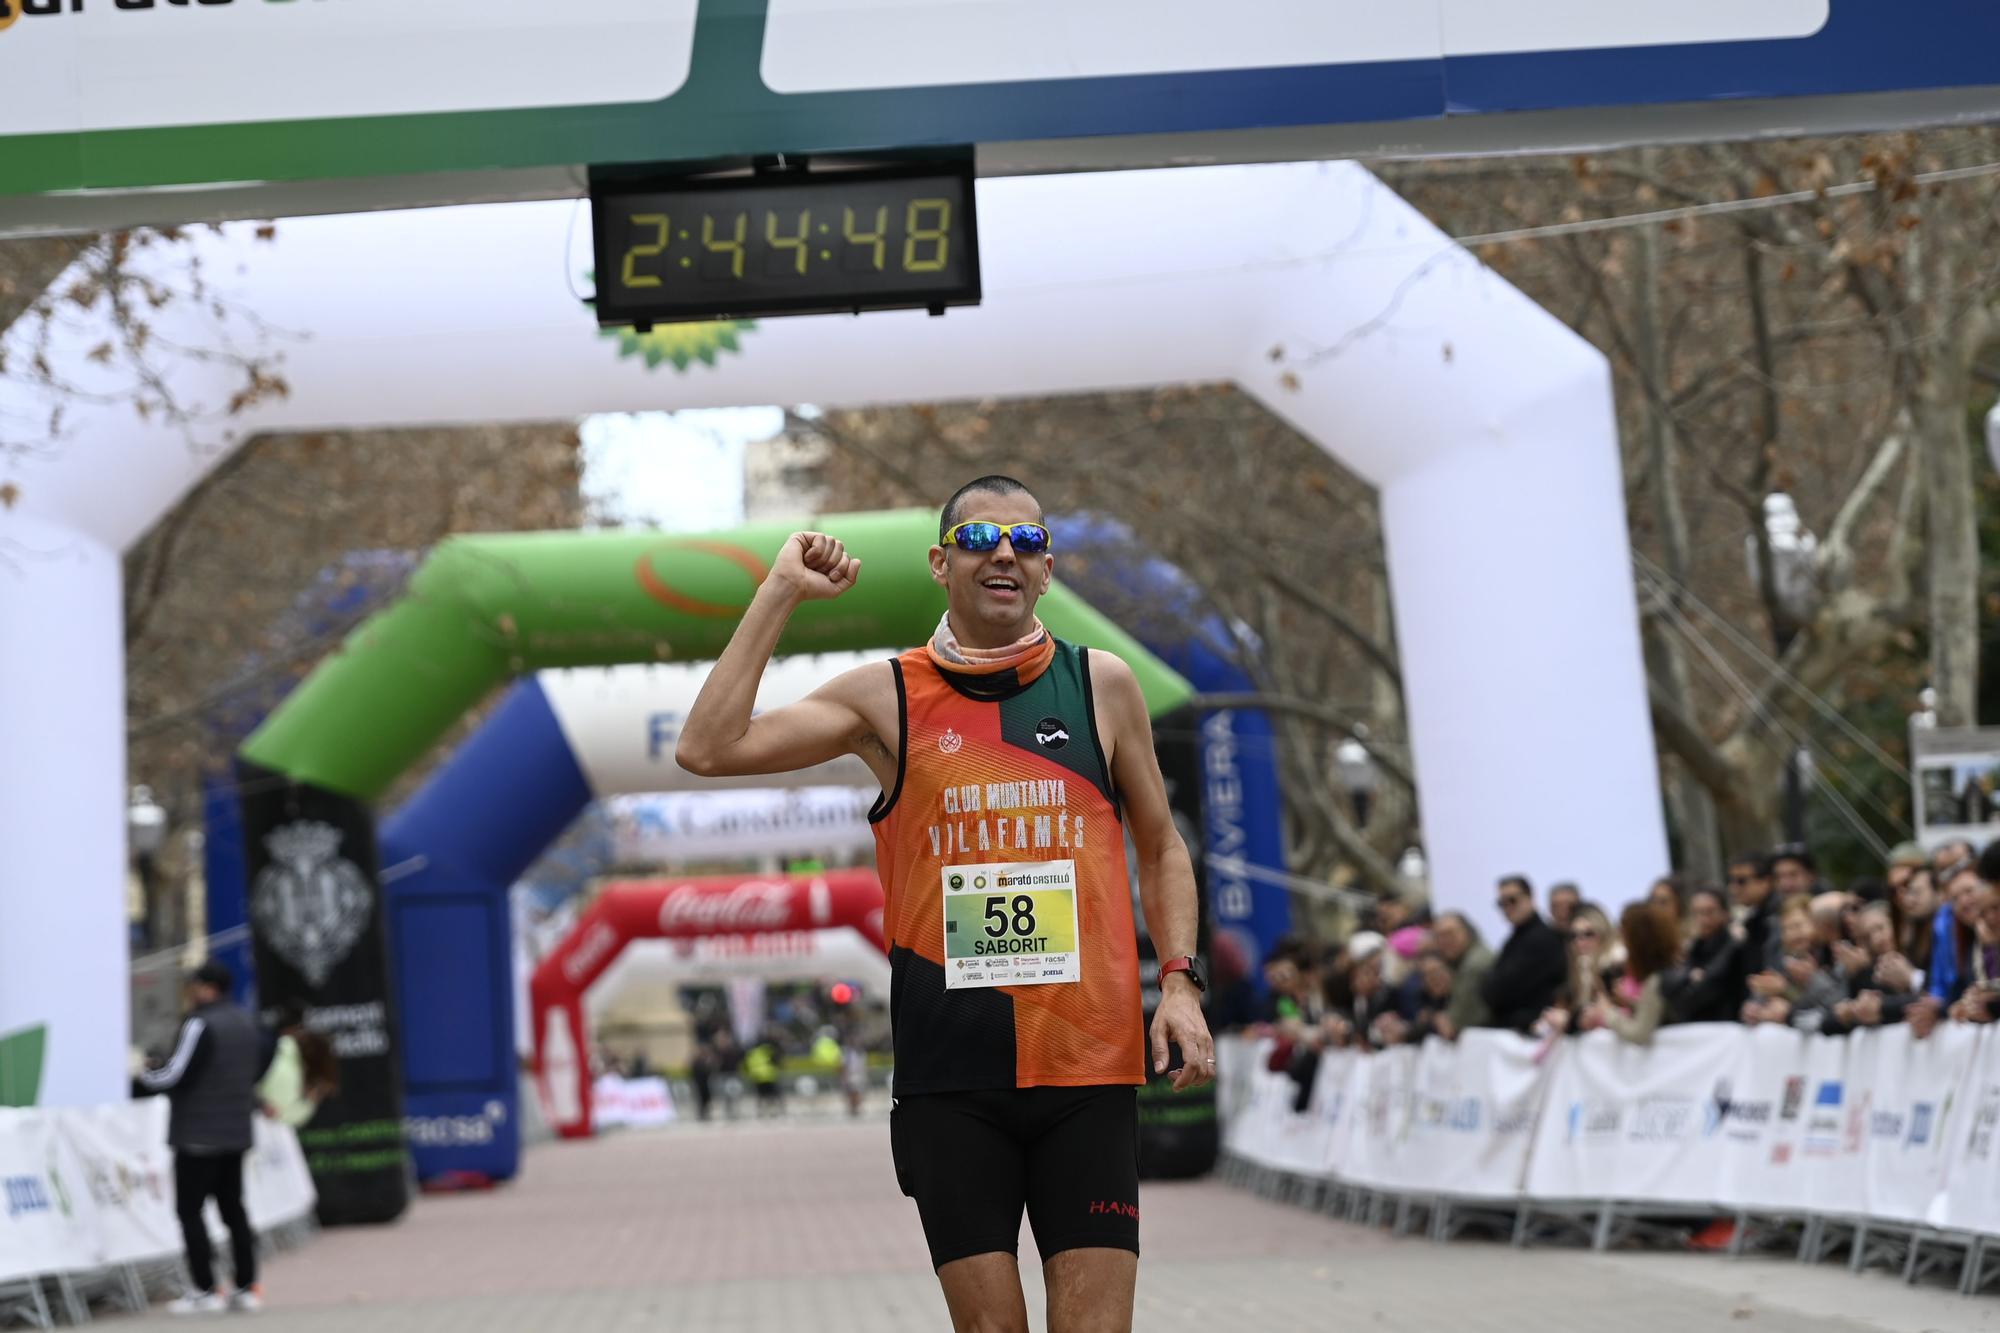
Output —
<point x="1010" y="924"/>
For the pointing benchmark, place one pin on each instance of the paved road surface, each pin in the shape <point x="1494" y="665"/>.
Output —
<point x="759" y="1228"/>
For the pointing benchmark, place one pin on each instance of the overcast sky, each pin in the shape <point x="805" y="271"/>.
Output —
<point x="679" y="471"/>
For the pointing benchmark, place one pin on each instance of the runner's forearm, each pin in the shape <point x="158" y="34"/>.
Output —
<point x="1167" y="897"/>
<point x="721" y="713"/>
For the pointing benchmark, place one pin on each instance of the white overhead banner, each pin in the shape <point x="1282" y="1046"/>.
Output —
<point x="681" y="827"/>
<point x="622" y="723"/>
<point x="139" y="64"/>
<point x="840" y="45"/>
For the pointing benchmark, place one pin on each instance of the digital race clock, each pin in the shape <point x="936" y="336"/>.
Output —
<point x="789" y="242"/>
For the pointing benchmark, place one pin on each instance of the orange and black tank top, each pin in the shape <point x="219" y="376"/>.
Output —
<point x="989" y="779"/>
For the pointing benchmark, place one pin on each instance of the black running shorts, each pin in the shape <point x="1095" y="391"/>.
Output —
<point x="972" y="1160"/>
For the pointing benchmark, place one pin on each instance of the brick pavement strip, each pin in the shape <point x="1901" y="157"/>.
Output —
<point x="761" y="1228"/>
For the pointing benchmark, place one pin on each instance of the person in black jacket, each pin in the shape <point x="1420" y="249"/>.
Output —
<point x="211" y="1078"/>
<point x="1753" y="887"/>
<point x="1532" y="965"/>
<point x="1713" y="982"/>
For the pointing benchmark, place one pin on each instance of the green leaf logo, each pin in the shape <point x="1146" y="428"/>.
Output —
<point x="682" y="344"/>
<point x="21" y="1066"/>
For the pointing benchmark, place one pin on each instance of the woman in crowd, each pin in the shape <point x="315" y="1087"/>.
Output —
<point x="1709" y="988"/>
<point x="1954" y="936"/>
<point x="1652" y="943"/>
<point x="303" y="1073"/>
<point x="1590" y="952"/>
<point x="1670" y="895"/>
<point x="1913" y="917"/>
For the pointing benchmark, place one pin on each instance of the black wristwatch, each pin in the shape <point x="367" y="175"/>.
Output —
<point x="1189" y="964"/>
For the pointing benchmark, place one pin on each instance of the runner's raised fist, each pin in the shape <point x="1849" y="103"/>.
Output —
<point x="816" y="566"/>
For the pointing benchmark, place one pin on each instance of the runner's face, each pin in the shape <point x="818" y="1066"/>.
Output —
<point x="992" y="594"/>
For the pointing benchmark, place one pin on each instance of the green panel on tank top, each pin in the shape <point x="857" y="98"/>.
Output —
<point x="1058" y="697"/>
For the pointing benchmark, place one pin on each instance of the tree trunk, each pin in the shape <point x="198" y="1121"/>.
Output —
<point x="1941" y="379"/>
<point x="1693" y="810"/>
<point x="1952" y="552"/>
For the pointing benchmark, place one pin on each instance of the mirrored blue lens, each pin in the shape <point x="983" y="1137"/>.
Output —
<point x="1029" y="538"/>
<point x="978" y="536"/>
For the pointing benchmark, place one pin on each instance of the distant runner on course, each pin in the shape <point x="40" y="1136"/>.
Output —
<point x="1012" y="765"/>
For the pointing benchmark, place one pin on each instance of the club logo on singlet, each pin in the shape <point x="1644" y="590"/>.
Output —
<point x="951" y="742"/>
<point x="1050" y="733"/>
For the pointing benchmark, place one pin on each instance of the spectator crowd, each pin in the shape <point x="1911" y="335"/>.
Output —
<point x="1918" y="945"/>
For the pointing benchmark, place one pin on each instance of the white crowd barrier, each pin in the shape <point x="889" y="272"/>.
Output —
<point x="1875" y="1125"/>
<point x="93" y="1188"/>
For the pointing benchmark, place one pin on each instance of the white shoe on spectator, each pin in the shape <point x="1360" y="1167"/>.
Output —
<point x="246" y="1301"/>
<point x="197" y="1302"/>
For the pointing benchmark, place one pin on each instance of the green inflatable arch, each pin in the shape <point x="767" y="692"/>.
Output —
<point x="479" y="611"/>
<point x="484" y="609"/>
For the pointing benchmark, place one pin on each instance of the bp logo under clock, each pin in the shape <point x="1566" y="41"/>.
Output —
<point x="1051" y="734"/>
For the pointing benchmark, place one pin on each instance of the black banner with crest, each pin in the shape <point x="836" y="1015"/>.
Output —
<point x="316" y="919"/>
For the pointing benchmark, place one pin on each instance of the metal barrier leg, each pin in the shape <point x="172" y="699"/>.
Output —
<point x="1600" y="1239"/>
<point x="1857" y="1255"/>
<point x="77" y="1309"/>
<point x="1975" y="1258"/>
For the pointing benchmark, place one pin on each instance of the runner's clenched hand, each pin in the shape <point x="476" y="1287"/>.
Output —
<point x="816" y="566"/>
<point x="1179" y="1020"/>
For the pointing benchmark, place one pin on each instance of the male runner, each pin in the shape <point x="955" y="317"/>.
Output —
<point x="1012" y="765"/>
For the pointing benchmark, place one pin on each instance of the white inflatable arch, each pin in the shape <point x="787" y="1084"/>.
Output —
<point x="1486" y="424"/>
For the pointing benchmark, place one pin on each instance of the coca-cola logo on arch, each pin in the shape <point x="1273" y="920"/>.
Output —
<point x="753" y="905"/>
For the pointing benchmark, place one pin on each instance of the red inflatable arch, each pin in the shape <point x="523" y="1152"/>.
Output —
<point x="643" y="909"/>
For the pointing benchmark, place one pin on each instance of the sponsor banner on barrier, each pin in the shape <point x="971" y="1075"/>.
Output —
<point x="41" y="1228"/>
<point x="1373" y="1147"/>
<point x="1755" y="1115"/>
<point x="1473" y="1116"/>
<point x="1834" y="1136"/>
<point x="641" y="1103"/>
<point x="1972" y="1178"/>
<point x="1762" y="1119"/>
<point x="88" y="1187"/>
<point x="1918" y="1088"/>
<point x="1630" y="1114"/>
<point x="127" y="1171"/>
